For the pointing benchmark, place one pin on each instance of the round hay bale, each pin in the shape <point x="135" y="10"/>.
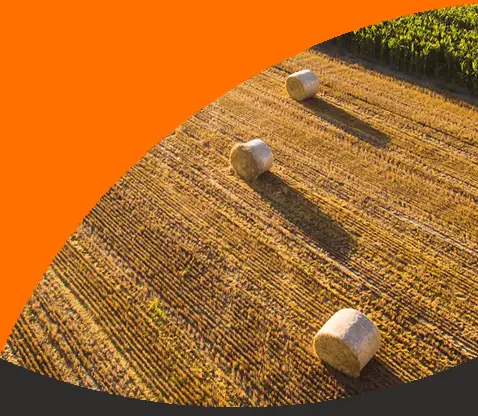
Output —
<point x="302" y="85"/>
<point x="347" y="341"/>
<point x="251" y="159"/>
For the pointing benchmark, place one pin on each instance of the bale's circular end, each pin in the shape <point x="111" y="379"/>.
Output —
<point x="295" y="88"/>
<point x="336" y="353"/>
<point x="347" y="341"/>
<point x="251" y="159"/>
<point x="243" y="162"/>
<point x="302" y="85"/>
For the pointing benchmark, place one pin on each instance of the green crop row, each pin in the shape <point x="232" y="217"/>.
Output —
<point x="441" y="43"/>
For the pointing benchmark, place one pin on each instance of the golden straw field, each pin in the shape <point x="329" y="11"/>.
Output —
<point x="187" y="285"/>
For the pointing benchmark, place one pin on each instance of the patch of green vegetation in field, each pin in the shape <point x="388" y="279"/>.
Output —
<point x="441" y="43"/>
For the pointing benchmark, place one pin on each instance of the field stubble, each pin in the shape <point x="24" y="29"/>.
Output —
<point x="187" y="285"/>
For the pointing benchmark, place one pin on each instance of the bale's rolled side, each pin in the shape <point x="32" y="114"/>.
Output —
<point x="302" y="85"/>
<point x="347" y="341"/>
<point x="251" y="159"/>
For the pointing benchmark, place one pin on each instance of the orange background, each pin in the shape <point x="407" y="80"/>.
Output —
<point x="87" y="88"/>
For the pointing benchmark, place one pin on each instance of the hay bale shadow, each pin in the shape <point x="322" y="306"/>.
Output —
<point x="375" y="375"/>
<point x="298" y="210"/>
<point x="347" y="122"/>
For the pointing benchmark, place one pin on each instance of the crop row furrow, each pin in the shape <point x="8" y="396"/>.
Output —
<point x="117" y="327"/>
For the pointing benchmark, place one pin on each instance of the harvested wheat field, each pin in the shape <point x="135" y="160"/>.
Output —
<point x="186" y="284"/>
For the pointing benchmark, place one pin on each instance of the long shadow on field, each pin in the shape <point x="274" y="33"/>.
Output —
<point x="375" y="375"/>
<point x="347" y="122"/>
<point x="297" y="209"/>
